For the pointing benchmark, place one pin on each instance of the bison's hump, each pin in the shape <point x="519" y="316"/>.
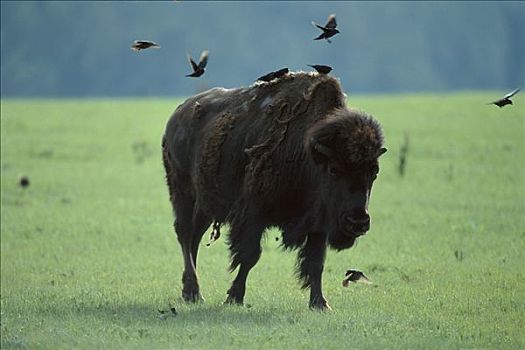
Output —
<point x="291" y="88"/>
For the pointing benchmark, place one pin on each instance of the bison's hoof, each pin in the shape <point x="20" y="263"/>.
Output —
<point x="192" y="297"/>
<point x="319" y="304"/>
<point x="233" y="301"/>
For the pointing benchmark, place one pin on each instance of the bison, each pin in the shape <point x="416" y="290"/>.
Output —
<point x="287" y="154"/>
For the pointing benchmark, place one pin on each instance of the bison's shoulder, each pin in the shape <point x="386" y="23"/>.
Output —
<point x="301" y="87"/>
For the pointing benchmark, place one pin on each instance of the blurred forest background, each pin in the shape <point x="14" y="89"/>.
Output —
<point x="81" y="48"/>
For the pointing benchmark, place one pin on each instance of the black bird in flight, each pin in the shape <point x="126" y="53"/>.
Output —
<point x="198" y="69"/>
<point x="329" y="30"/>
<point x="505" y="100"/>
<point x="321" y="69"/>
<point x="143" y="44"/>
<point x="355" y="276"/>
<point x="273" y="75"/>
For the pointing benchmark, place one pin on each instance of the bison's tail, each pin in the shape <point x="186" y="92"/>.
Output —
<point x="165" y="157"/>
<point x="169" y="169"/>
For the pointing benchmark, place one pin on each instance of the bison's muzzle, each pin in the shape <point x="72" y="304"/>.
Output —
<point x="355" y="224"/>
<point x="351" y="226"/>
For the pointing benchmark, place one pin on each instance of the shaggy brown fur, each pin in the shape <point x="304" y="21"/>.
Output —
<point x="211" y="159"/>
<point x="287" y="153"/>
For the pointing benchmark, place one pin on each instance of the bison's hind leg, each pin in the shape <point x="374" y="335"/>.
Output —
<point x="189" y="227"/>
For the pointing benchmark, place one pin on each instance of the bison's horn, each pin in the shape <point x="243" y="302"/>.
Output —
<point x="381" y="151"/>
<point x="319" y="147"/>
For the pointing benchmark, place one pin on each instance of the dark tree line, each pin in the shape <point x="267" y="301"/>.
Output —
<point x="82" y="48"/>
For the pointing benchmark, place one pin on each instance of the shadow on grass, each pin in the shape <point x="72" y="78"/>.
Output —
<point x="185" y="313"/>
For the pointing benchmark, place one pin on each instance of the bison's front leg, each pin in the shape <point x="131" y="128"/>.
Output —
<point x="245" y="248"/>
<point x="310" y="262"/>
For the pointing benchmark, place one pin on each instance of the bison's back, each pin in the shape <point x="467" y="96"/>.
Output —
<point x="231" y="145"/>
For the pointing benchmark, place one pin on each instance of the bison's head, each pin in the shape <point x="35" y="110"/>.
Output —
<point x="345" y="147"/>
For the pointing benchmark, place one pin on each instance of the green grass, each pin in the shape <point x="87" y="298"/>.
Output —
<point x="88" y="254"/>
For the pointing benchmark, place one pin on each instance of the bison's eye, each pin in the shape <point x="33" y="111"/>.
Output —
<point x="333" y="171"/>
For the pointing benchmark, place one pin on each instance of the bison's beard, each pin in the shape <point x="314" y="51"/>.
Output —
<point x="339" y="240"/>
<point x="317" y="219"/>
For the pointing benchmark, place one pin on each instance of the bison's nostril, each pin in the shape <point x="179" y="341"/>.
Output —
<point x="363" y="220"/>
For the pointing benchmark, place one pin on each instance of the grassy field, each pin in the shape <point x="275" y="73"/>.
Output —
<point x="88" y="254"/>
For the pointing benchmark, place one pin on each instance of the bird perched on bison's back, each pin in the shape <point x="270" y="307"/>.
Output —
<point x="273" y="75"/>
<point x="321" y="69"/>
<point x="144" y="44"/>
<point x="198" y="69"/>
<point x="505" y="100"/>
<point x="329" y="30"/>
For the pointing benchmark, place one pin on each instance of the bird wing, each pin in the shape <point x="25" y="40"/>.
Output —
<point x="363" y="279"/>
<point x="356" y="276"/>
<point x="321" y="68"/>
<point x="204" y="59"/>
<point x="136" y="44"/>
<point x="317" y="25"/>
<point x="194" y="65"/>
<point x="266" y="77"/>
<point x="146" y="42"/>
<point x="509" y="95"/>
<point x="331" y="24"/>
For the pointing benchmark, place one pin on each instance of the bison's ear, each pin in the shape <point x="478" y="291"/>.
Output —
<point x="381" y="151"/>
<point x="320" y="152"/>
